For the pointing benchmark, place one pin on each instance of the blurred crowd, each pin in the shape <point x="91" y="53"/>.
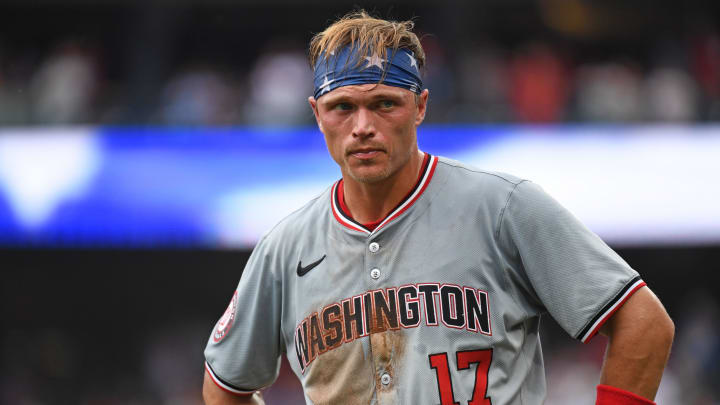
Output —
<point x="475" y="82"/>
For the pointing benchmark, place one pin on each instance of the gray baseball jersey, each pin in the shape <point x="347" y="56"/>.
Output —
<point x="439" y="304"/>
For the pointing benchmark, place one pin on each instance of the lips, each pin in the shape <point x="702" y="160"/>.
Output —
<point x="365" y="152"/>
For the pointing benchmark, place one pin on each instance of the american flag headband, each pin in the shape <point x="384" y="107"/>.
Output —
<point x="341" y="68"/>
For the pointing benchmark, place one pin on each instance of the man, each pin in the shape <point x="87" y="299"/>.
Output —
<point x="416" y="279"/>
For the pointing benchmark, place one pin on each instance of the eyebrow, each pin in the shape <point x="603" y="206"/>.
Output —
<point x="335" y="98"/>
<point x="386" y="94"/>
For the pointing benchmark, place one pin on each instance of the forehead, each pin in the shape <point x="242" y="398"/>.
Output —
<point x="364" y="91"/>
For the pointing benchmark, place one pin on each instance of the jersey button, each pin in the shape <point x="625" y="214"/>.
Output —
<point x="385" y="379"/>
<point x="374" y="247"/>
<point x="375" y="274"/>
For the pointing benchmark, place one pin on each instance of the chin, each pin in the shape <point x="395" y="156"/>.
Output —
<point x="363" y="175"/>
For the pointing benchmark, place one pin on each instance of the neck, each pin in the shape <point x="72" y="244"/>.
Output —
<point x="370" y="202"/>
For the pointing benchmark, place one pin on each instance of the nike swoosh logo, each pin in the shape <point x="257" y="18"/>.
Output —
<point x="301" y="271"/>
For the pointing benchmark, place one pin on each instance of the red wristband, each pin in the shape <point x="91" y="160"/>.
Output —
<point x="609" y="395"/>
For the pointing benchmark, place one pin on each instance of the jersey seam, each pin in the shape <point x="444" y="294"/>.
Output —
<point x="506" y="276"/>
<point x="283" y="343"/>
<point x="504" y="208"/>
<point x="481" y="171"/>
<point x="277" y="280"/>
<point x="522" y="355"/>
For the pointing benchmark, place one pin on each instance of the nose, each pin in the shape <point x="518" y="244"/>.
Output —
<point x="364" y="125"/>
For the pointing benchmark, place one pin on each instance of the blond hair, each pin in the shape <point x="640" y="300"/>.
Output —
<point x="367" y="35"/>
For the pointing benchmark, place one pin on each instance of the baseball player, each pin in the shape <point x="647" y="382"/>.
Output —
<point x="416" y="279"/>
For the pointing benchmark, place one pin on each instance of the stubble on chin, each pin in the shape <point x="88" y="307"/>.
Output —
<point x="370" y="177"/>
<point x="367" y="174"/>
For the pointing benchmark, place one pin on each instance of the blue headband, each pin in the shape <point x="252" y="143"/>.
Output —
<point x="341" y="69"/>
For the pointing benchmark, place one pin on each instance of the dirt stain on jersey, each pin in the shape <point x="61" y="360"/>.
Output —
<point x="388" y="350"/>
<point x="348" y="375"/>
<point x="341" y="376"/>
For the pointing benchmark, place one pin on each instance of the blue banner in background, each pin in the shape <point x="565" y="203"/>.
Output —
<point x="224" y="187"/>
<point x="159" y="187"/>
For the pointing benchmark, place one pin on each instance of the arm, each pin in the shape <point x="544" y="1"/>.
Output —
<point x="245" y="345"/>
<point x="213" y="395"/>
<point x="640" y="335"/>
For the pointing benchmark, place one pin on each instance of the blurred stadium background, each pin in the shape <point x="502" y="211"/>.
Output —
<point x="145" y="146"/>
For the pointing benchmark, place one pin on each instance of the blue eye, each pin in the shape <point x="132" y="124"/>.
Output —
<point x="343" y="106"/>
<point x="387" y="104"/>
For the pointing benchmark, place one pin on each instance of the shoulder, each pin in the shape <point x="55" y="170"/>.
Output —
<point x="303" y="220"/>
<point x="274" y="254"/>
<point x="477" y="175"/>
<point x="463" y="178"/>
<point x="472" y="192"/>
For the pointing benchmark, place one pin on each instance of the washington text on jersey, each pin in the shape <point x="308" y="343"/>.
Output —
<point x="391" y="309"/>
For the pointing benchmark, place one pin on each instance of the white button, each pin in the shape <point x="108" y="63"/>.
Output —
<point x="374" y="247"/>
<point x="375" y="274"/>
<point x="385" y="379"/>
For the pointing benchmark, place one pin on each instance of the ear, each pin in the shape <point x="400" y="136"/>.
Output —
<point x="313" y="105"/>
<point x="422" y="106"/>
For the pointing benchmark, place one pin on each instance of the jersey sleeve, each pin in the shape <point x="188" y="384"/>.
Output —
<point x="573" y="274"/>
<point x="243" y="352"/>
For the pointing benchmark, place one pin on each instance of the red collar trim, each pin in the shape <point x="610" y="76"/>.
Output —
<point x="342" y="214"/>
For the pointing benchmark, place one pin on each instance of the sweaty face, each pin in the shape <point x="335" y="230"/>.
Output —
<point x="370" y="129"/>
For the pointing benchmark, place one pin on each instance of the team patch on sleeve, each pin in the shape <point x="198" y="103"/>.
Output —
<point x="226" y="321"/>
<point x="609" y="309"/>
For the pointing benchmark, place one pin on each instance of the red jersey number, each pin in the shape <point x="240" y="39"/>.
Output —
<point x="464" y="358"/>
